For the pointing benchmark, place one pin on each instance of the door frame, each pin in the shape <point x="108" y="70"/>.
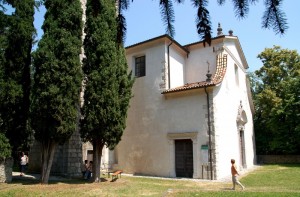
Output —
<point x="241" y="121"/>
<point x="196" y="152"/>
<point x="242" y="148"/>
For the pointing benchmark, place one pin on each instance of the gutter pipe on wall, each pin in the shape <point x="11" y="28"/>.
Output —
<point x="169" y="75"/>
<point x="209" y="134"/>
<point x="208" y="75"/>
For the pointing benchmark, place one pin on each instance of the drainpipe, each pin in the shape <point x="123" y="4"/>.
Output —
<point x="169" y="75"/>
<point x="209" y="125"/>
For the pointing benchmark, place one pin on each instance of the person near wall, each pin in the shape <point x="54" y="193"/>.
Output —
<point x="23" y="163"/>
<point x="84" y="167"/>
<point x="234" y="174"/>
<point x="88" y="173"/>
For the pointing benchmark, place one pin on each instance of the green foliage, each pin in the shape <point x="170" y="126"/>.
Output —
<point x="108" y="84"/>
<point x="3" y="45"/>
<point x="277" y="100"/>
<point x="16" y="44"/>
<point x="57" y="72"/>
<point x="57" y="79"/>
<point x="167" y="13"/>
<point x="4" y="147"/>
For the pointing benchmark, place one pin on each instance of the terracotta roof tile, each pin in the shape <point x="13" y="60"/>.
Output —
<point x="217" y="78"/>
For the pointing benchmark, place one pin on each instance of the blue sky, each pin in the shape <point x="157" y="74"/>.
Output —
<point x="144" y="22"/>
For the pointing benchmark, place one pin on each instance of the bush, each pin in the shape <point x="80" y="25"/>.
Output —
<point x="4" y="147"/>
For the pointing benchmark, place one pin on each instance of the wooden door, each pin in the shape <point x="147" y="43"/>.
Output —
<point x="184" y="158"/>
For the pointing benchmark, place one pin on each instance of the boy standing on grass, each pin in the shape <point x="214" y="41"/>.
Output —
<point x="23" y="163"/>
<point x="234" y="174"/>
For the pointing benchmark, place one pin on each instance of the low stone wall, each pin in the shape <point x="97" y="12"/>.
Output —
<point x="278" y="159"/>
<point x="6" y="170"/>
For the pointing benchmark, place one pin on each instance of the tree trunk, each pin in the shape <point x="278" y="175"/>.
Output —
<point x="97" y="147"/>
<point x="48" y="149"/>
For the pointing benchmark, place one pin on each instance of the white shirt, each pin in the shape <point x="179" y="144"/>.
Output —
<point x="24" y="160"/>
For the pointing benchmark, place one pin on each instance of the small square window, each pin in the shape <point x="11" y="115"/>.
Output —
<point x="140" y="66"/>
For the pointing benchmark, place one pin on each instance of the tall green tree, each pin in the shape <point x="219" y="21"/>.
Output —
<point x="276" y="95"/>
<point x="57" y="79"/>
<point x="16" y="45"/>
<point x="3" y="45"/>
<point x="273" y="16"/>
<point x="3" y="37"/>
<point x="4" y="146"/>
<point x="108" y="83"/>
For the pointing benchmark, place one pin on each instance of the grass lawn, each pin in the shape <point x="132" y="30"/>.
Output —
<point x="268" y="180"/>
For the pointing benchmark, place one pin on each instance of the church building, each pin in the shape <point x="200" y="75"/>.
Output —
<point x="190" y="114"/>
<point x="191" y="110"/>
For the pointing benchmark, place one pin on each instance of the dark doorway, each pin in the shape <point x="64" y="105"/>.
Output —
<point x="184" y="158"/>
<point x="242" y="148"/>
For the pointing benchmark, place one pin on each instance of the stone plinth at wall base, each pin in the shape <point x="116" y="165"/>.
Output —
<point x="6" y="170"/>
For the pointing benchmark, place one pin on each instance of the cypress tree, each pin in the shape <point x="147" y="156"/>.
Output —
<point x="16" y="45"/>
<point x="3" y="45"/>
<point x="57" y="78"/>
<point x="107" y="85"/>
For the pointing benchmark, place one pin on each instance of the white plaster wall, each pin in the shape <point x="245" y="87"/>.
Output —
<point x="226" y="104"/>
<point x="230" y="44"/>
<point x="227" y="99"/>
<point x="177" y="62"/>
<point x="196" y="64"/>
<point x="145" y="147"/>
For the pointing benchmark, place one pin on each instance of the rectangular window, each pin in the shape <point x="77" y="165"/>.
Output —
<point x="140" y="66"/>
<point x="236" y="71"/>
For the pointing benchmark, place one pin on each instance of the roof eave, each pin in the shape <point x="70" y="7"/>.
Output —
<point x="165" y="36"/>
<point x="188" y="89"/>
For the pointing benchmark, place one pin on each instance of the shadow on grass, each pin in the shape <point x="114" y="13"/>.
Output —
<point x="226" y="189"/>
<point x="34" y="180"/>
<point x="114" y="179"/>
<point x="289" y="165"/>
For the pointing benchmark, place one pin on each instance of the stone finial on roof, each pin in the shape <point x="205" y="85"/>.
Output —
<point x="230" y="32"/>
<point x="220" y="33"/>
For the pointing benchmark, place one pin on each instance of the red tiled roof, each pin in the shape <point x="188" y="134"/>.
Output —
<point x="216" y="79"/>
